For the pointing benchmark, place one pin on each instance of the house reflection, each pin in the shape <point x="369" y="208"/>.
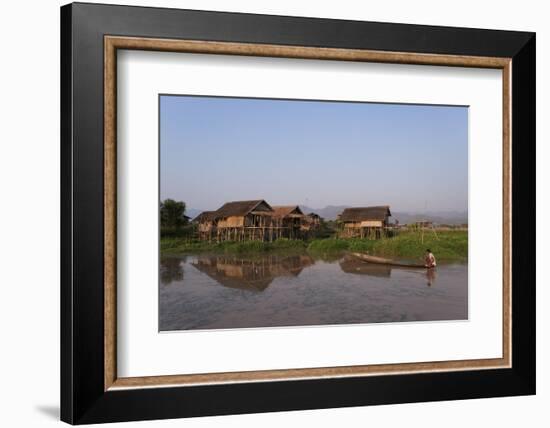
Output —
<point x="171" y="269"/>
<point x="253" y="274"/>
<point x="359" y="267"/>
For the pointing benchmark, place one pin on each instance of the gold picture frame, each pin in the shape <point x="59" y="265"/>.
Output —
<point x="114" y="43"/>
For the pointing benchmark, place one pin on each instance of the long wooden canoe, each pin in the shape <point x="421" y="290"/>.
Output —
<point x="383" y="261"/>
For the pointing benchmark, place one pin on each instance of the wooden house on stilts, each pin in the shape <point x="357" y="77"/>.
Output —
<point x="255" y="221"/>
<point x="287" y="221"/>
<point x="206" y="225"/>
<point x="365" y="222"/>
<point x="244" y="221"/>
<point x="310" y="224"/>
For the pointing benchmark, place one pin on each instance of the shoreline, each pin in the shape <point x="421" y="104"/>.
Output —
<point x="447" y="246"/>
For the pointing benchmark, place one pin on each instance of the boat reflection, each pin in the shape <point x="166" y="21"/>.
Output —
<point x="253" y="274"/>
<point x="354" y="266"/>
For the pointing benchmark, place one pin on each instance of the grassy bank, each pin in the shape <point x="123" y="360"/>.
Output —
<point x="182" y="246"/>
<point x="449" y="245"/>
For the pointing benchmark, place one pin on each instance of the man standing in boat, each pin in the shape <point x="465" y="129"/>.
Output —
<point x="429" y="260"/>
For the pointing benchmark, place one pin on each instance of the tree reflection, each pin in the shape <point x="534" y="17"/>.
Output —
<point x="171" y="269"/>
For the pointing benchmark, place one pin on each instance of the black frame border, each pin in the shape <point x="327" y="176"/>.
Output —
<point x="83" y="399"/>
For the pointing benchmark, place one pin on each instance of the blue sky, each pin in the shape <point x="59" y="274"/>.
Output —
<point x="314" y="153"/>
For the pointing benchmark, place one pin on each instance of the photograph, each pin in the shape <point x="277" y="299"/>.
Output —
<point x="279" y="210"/>
<point x="287" y="212"/>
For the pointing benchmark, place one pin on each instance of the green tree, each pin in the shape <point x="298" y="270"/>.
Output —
<point x="172" y="214"/>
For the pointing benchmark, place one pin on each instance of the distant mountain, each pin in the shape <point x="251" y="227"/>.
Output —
<point x="331" y="211"/>
<point x="438" y="217"/>
<point x="192" y="212"/>
<point x="328" y="213"/>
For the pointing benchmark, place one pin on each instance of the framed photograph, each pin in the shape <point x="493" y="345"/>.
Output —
<point x="266" y="213"/>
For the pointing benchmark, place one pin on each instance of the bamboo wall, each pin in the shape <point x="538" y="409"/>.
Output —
<point x="370" y="229"/>
<point x="253" y="227"/>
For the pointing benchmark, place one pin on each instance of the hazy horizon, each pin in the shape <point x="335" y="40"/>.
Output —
<point x="313" y="153"/>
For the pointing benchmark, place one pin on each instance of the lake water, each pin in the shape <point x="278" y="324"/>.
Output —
<point x="216" y="292"/>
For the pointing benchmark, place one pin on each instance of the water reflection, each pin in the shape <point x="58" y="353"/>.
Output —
<point x="431" y="275"/>
<point x="171" y="269"/>
<point x="220" y="291"/>
<point x="352" y="265"/>
<point x="255" y="274"/>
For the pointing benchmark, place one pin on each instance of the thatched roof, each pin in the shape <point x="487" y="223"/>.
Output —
<point x="242" y="208"/>
<point x="365" y="213"/>
<point x="205" y="216"/>
<point x="286" y="210"/>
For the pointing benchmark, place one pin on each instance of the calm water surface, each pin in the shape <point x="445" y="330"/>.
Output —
<point x="214" y="292"/>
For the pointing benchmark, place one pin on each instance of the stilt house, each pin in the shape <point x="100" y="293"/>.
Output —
<point x="287" y="221"/>
<point x="310" y="223"/>
<point x="206" y="225"/>
<point x="365" y="222"/>
<point x="244" y="221"/>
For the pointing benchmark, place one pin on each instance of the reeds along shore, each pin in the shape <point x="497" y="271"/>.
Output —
<point x="446" y="245"/>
